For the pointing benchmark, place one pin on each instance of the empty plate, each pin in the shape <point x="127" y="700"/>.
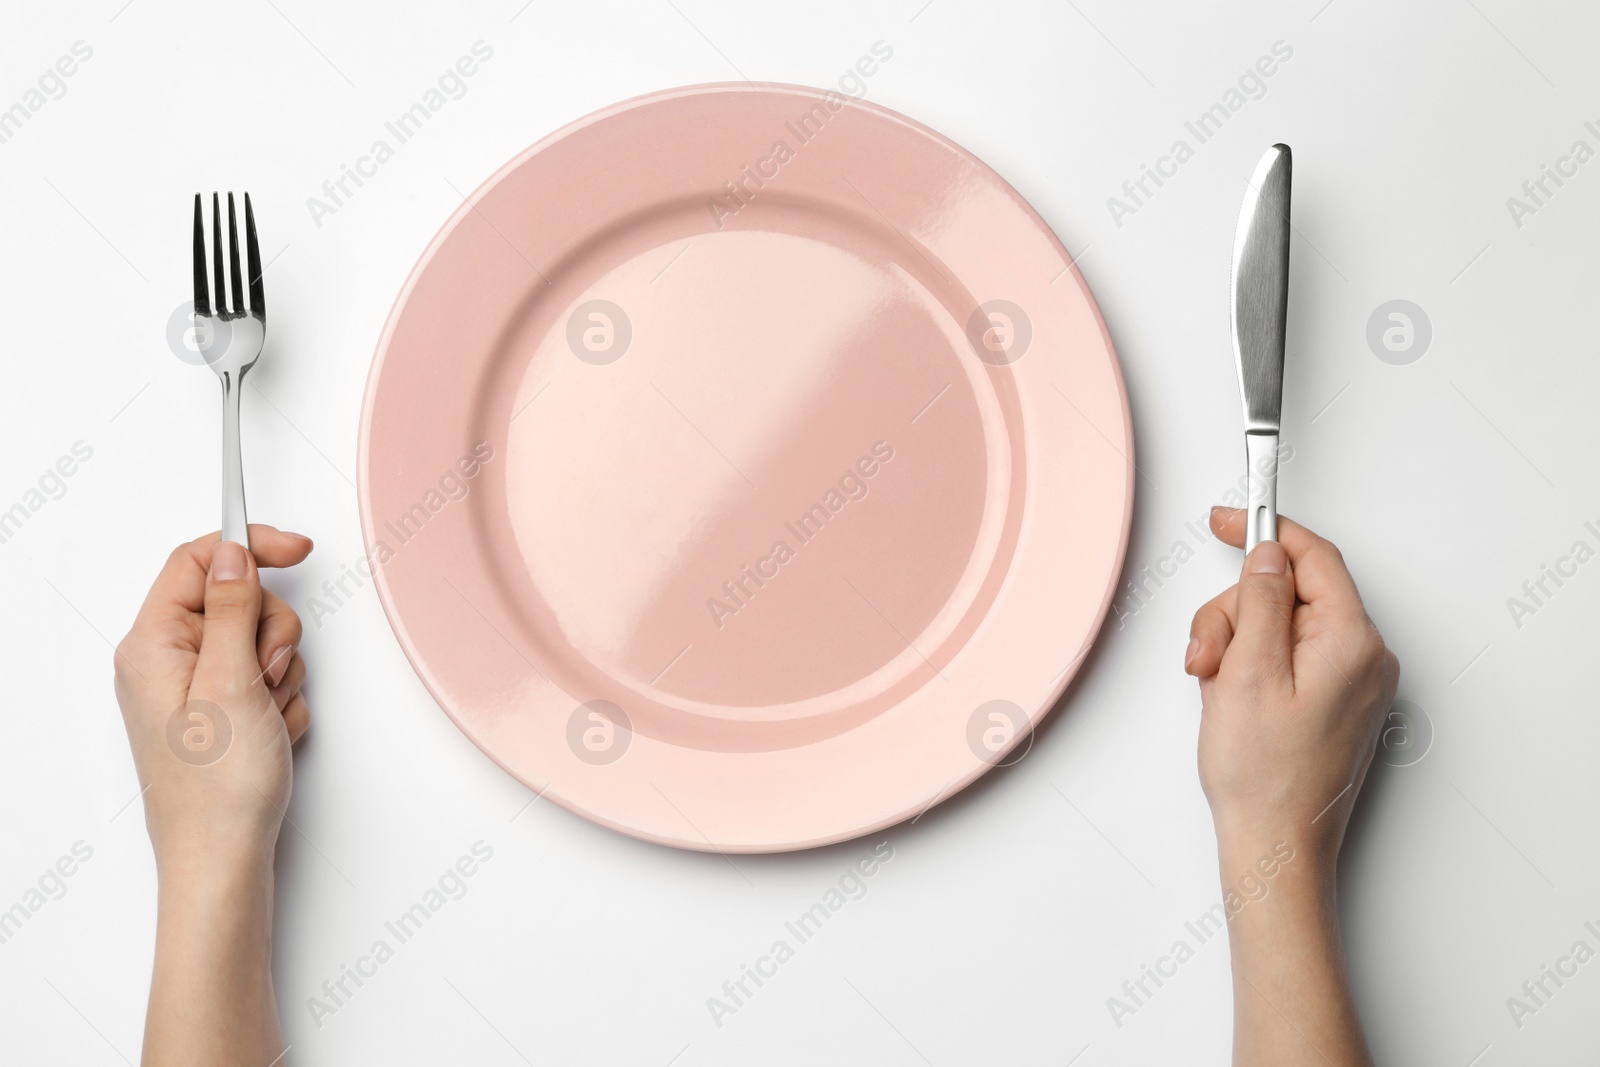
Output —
<point x="745" y="468"/>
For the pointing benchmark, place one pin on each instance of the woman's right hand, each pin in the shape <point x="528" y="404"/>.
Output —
<point x="1295" y="684"/>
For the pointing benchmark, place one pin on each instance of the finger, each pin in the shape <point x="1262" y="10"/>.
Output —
<point x="1320" y="571"/>
<point x="227" y="661"/>
<point x="294" y="676"/>
<point x="297" y="718"/>
<point x="182" y="581"/>
<point x="276" y="638"/>
<point x="1264" y="629"/>
<point x="1210" y="634"/>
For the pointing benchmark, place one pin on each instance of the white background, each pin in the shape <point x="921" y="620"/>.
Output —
<point x="1006" y="917"/>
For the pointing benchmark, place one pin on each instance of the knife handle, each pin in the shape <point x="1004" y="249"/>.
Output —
<point x="1261" y="522"/>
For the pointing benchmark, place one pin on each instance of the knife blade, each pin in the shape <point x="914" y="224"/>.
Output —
<point x="1260" y="305"/>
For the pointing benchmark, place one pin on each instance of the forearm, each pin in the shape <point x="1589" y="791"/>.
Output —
<point x="1291" y="994"/>
<point x="211" y="999"/>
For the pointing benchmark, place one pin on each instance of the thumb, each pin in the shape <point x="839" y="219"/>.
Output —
<point x="232" y="612"/>
<point x="1264" y="635"/>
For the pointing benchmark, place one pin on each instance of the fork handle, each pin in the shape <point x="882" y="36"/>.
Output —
<point x="235" y="526"/>
<point x="1261" y="523"/>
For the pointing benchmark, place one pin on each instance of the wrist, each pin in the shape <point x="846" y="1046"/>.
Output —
<point x="1289" y="977"/>
<point x="211" y="902"/>
<point x="1258" y="863"/>
<point x="205" y="912"/>
<point x="205" y="862"/>
<point x="192" y="834"/>
<point x="211" y="994"/>
<point x="1245" y="837"/>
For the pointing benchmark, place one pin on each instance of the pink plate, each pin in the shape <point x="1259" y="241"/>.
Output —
<point x="745" y="468"/>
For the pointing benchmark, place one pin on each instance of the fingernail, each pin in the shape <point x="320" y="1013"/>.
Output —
<point x="278" y="663"/>
<point x="1188" y="655"/>
<point x="228" y="562"/>
<point x="1269" y="558"/>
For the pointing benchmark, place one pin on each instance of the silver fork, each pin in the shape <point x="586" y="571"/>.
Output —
<point x="230" y="339"/>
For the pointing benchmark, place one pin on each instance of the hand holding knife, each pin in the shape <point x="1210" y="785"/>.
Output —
<point x="1260" y="312"/>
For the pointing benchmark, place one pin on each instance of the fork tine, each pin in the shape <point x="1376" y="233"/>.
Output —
<point x="202" y="303"/>
<point x="252" y="251"/>
<point x="233" y="260"/>
<point x="220" y="288"/>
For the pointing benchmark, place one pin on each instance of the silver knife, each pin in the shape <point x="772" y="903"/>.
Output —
<point x="1260" y="311"/>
